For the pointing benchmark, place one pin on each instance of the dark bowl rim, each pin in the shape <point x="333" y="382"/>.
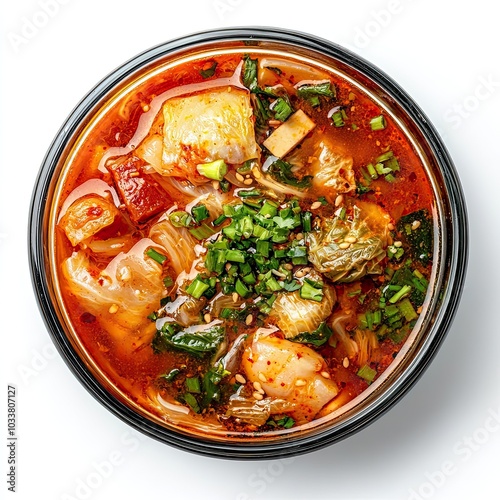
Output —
<point x="293" y="447"/>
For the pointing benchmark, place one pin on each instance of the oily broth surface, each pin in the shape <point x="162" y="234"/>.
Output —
<point x="135" y="374"/>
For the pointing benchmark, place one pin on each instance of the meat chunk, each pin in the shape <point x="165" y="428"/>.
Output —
<point x="142" y="197"/>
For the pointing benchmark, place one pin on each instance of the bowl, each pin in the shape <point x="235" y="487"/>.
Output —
<point x="450" y="248"/>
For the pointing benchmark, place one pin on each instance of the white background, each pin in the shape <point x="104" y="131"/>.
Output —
<point x="442" y="441"/>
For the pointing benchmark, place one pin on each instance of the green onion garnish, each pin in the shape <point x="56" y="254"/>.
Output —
<point x="193" y="385"/>
<point x="367" y="373"/>
<point x="215" y="170"/>
<point x="158" y="257"/>
<point x="180" y="219"/>
<point x="378" y="123"/>
<point x="309" y="292"/>
<point x="197" y="288"/>
<point x="199" y="213"/>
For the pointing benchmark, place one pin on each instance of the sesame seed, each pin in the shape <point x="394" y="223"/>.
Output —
<point x="390" y="227"/>
<point x="258" y="396"/>
<point x="240" y="378"/>
<point x="235" y="297"/>
<point x="134" y="174"/>
<point x="325" y="374"/>
<point x="306" y="269"/>
<point x="228" y="266"/>
<point x="274" y="123"/>
<point x="256" y="173"/>
<point x="315" y="205"/>
<point x="299" y="236"/>
<point x="300" y="273"/>
<point x="351" y="239"/>
<point x="257" y="386"/>
<point x="249" y="319"/>
<point x="288" y="266"/>
<point x="145" y="108"/>
<point x="262" y="377"/>
<point x="216" y="184"/>
<point x="338" y="200"/>
<point x="207" y="318"/>
<point x="247" y="182"/>
<point x="345" y="363"/>
<point x="300" y="383"/>
<point x="415" y="224"/>
<point x="239" y="177"/>
<point x="113" y="309"/>
<point x="398" y="244"/>
<point x="345" y="245"/>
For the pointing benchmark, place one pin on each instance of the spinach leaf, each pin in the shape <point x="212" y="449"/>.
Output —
<point x="317" y="337"/>
<point x="416" y="229"/>
<point x="282" y="172"/>
<point x="172" y="337"/>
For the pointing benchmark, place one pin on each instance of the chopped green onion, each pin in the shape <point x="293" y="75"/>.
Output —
<point x="202" y="232"/>
<point x="168" y="281"/>
<point x="235" y="256"/>
<point x="306" y="221"/>
<point x="191" y="401"/>
<point x="269" y="209"/>
<point x="217" y="222"/>
<point x="263" y="247"/>
<point x="378" y="123"/>
<point x="384" y="157"/>
<point x="242" y="290"/>
<point x="199" y="213"/>
<point x="405" y="290"/>
<point x="197" y="288"/>
<point x="282" y="109"/>
<point x="180" y="219"/>
<point x="367" y="373"/>
<point x="171" y="375"/>
<point x="338" y="119"/>
<point x="158" y="257"/>
<point x="215" y="170"/>
<point x="407" y="310"/>
<point x="309" y="292"/>
<point x="390" y="178"/>
<point x="372" y="171"/>
<point x="251" y="193"/>
<point x="193" y="385"/>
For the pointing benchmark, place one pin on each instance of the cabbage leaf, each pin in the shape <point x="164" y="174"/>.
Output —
<point x="368" y="226"/>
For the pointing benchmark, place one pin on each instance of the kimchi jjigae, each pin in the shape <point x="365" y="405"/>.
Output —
<point x="244" y="242"/>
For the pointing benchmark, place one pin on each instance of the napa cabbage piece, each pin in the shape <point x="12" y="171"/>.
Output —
<point x="369" y="228"/>
<point x="178" y="244"/>
<point x="122" y="295"/>
<point x="207" y="126"/>
<point x="332" y="171"/>
<point x="290" y="372"/>
<point x="294" y="315"/>
<point x="86" y="216"/>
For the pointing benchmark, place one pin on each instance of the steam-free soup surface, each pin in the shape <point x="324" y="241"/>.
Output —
<point x="244" y="243"/>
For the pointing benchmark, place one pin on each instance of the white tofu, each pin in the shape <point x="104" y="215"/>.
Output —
<point x="290" y="134"/>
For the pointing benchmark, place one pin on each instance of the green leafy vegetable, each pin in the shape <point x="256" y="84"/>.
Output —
<point x="317" y="337"/>
<point x="172" y="337"/>
<point x="207" y="73"/>
<point x="250" y="72"/>
<point x="416" y="229"/>
<point x="311" y="92"/>
<point x="282" y="172"/>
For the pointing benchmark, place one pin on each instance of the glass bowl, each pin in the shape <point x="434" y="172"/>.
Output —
<point x="450" y="244"/>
